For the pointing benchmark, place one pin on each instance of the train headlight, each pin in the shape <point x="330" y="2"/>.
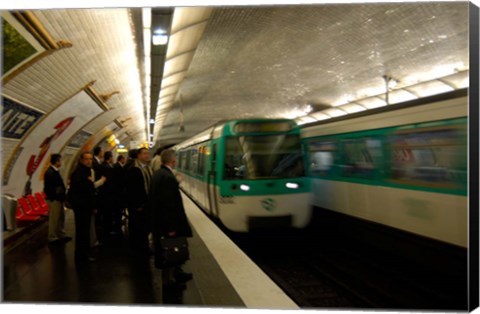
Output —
<point x="292" y="185"/>
<point x="244" y="187"/>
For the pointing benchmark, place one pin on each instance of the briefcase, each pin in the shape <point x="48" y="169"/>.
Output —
<point x="172" y="252"/>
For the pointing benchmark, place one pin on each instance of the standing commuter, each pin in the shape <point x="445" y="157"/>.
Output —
<point x="132" y="157"/>
<point x="54" y="189"/>
<point x="119" y="194"/>
<point x="99" y="180"/>
<point x="81" y="196"/>
<point x="167" y="214"/>
<point x="106" y="197"/>
<point x="137" y="189"/>
<point x="97" y="158"/>
<point x="156" y="160"/>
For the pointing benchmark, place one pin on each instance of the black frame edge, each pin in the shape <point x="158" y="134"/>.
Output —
<point x="473" y="257"/>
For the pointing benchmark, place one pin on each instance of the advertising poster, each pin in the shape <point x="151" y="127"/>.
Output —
<point x="48" y="137"/>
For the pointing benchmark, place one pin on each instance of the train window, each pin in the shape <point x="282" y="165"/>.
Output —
<point x="321" y="157"/>
<point x="261" y="157"/>
<point x="359" y="157"/>
<point x="432" y="156"/>
<point x="187" y="160"/>
<point x="183" y="160"/>
<point x="201" y="160"/>
<point x="194" y="160"/>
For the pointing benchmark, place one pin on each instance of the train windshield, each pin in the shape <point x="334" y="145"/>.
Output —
<point x="263" y="157"/>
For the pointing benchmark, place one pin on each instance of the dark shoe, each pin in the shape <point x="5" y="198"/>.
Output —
<point x="55" y="242"/>
<point x="92" y="259"/>
<point x="174" y="286"/>
<point x="183" y="276"/>
<point x="65" y="239"/>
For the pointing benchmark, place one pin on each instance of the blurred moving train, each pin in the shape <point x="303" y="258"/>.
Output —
<point x="248" y="174"/>
<point x="401" y="166"/>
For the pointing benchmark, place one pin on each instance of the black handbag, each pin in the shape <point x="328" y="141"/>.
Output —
<point x="172" y="252"/>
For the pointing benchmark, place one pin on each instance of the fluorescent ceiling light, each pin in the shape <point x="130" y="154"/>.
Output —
<point x="372" y="102"/>
<point x="304" y="120"/>
<point x="459" y="80"/>
<point x="352" y="108"/>
<point x="320" y="116"/>
<point x="430" y="88"/>
<point x="333" y="112"/>
<point x="159" y="37"/>
<point x="147" y="17"/>
<point x="400" y="95"/>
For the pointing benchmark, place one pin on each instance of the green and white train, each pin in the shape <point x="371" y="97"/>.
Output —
<point x="248" y="174"/>
<point x="402" y="166"/>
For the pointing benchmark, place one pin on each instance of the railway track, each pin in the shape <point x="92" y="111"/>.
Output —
<point x="318" y="274"/>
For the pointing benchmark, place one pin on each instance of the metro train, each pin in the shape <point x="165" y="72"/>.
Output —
<point x="247" y="174"/>
<point x="403" y="166"/>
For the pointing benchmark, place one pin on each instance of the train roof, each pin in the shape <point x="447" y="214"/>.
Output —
<point x="438" y="107"/>
<point x="459" y="93"/>
<point x="216" y="129"/>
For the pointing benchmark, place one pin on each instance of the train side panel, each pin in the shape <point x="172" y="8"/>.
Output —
<point x="442" y="217"/>
<point x="404" y="168"/>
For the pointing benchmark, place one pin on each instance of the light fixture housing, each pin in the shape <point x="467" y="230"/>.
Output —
<point x="159" y="37"/>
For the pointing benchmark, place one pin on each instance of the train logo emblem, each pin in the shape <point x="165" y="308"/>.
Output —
<point x="269" y="204"/>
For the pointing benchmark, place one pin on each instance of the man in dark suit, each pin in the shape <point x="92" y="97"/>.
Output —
<point x="99" y="180"/>
<point x="106" y="197"/>
<point x="54" y="189"/>
<point x="97" y="158"/>
<point x="119" y="171"/>
<point x="81" y="196"/>
<point x="165" y="206"/>
<point x="137" y="189"/>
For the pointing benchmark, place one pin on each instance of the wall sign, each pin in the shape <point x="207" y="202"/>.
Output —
<point x="48" y="136"/>
<point x="79" y="139"/>
<point x="17" y="119"/>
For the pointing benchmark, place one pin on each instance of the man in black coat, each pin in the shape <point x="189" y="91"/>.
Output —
<point x="165" y="206"/>
<point x="119" y="176"/>
<point x="106" y="197"/>
<point x="81" y="196"/>
<point x="97" y="159"/>
<point x="137" y="186"/>
<point x="54" y="189"/>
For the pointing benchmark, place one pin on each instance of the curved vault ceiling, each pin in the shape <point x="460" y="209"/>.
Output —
<point x="251" y="61"/>
<point x="269" y="61"/>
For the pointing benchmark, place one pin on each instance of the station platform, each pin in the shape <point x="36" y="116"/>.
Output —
<point x="223" y="276"/>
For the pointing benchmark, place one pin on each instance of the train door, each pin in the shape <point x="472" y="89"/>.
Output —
<point x="212" y="183"/>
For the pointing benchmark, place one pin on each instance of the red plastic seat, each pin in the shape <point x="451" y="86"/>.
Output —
<point x="20" y="216"/>
<point x="36" y="207"/>
<point x="27" y="209"/>
<point x="41" y="201"/>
